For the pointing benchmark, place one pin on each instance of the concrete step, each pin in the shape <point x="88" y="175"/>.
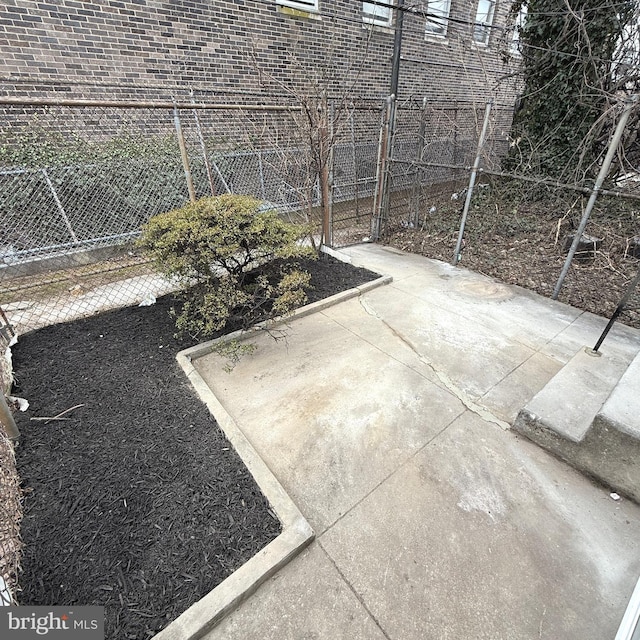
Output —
<point x="589" y="415"/>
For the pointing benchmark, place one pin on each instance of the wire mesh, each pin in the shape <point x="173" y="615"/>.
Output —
<point x="78" y="182"/>
<point x="433" y="149"/>
<point x="520" y="226"/>
<point x="354" y="171"/>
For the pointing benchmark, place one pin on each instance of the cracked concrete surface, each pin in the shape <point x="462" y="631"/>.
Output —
<point x="384" y="419"/>
<point x="444" y="379"/>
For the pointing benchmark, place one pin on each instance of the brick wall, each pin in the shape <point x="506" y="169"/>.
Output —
<point x="161" y="48"/>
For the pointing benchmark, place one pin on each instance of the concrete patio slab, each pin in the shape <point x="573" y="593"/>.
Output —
<point x="316" y="408"/>
<point x="470" y="538"/>
<point x="622" y="342"/>
<point x="475" y="356"/>
<point x="453" y="546"/>
<point x="384" y="417"/>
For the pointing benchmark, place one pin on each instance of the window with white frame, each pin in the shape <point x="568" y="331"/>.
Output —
<point x="302" y="5"/>
<point x="437" y="18"/>
<point x="482" y="23"/>
<point x="376" y="14"/>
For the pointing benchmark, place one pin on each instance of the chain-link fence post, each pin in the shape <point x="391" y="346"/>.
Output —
<point x="354" y="159"/>
<point x="203" y="147"/>
<point x="472" y="181"/>
<point x="325" y="144"/>
<point x="183" y="154"/>
<point x="59" y="206"/>
<point x="414" y="207"/>
<point x="381" y="194"/>
<point x="602" y="174"/>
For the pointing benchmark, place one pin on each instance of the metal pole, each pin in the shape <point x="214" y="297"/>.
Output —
<point x="63" y="213"/>
<point x="224" y="182"/>
<point x="356" y="192"/>
<point x="602" y="174"/>
<point x="472" y="181"/>
<point x="618" y="311"/>
<point x="414" y="213"/>
<point x="135" y="104"/>
<point x="330" y="170"/>
<point x="263" y="187"/>
<point x="7" y="324"/>
<point x="203" y="146"/>
<point x="183" y="154"/>
<point x="397" y="46"/>
<point x="381" y="170"/>
<point x="323" y="135"/>
<point x="6" y="419"/>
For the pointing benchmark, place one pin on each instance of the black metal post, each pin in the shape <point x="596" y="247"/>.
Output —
<point x="397" y="46"/>
<point x="618" y="311"/>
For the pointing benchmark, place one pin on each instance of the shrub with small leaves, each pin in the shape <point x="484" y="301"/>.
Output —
<point x="221" y="250"/>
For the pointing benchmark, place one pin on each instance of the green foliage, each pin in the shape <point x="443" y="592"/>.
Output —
<point x="40" y="146"/>
<point x="567" y="50"/>
<point x="219" y="249"/>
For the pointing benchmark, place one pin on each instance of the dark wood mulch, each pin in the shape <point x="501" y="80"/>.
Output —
<point x="137" y="502"/>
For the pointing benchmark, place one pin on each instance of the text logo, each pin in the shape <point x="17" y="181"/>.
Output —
<point x="52" y="623"/>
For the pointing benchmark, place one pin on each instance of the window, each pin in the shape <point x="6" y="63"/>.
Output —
<point x="484" y="18"/>
<point x="519" y="23"/>
<point x="375" y="14"/>
<point x="437" y="18"/>
<point x="301" y="5"/>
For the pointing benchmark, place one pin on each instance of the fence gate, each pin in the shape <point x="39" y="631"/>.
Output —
<point x="353" y="173"/>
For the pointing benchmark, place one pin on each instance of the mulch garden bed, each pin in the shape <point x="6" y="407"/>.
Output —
<point x="135" y="501"/>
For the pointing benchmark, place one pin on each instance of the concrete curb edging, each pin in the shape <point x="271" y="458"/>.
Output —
<point x="205" y="348"/>
<point x="296" y="534"/>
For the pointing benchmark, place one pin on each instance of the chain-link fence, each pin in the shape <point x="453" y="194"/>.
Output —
<point x="354" y="168"/>
<point x="432" y="151"/>
<point x="520" y="226"/>
<point x="77" y="181"/>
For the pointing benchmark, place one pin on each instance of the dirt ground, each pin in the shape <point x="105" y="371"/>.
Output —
<point x="521" y="239"/>
<point x="135" y="501"/>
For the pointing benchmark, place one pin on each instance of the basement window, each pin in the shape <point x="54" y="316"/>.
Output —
<point x="376" y="14"/>
<point x="300" y="5"/>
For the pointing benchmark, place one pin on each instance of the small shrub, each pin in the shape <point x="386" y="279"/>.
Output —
<point x="219" y="249"/>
